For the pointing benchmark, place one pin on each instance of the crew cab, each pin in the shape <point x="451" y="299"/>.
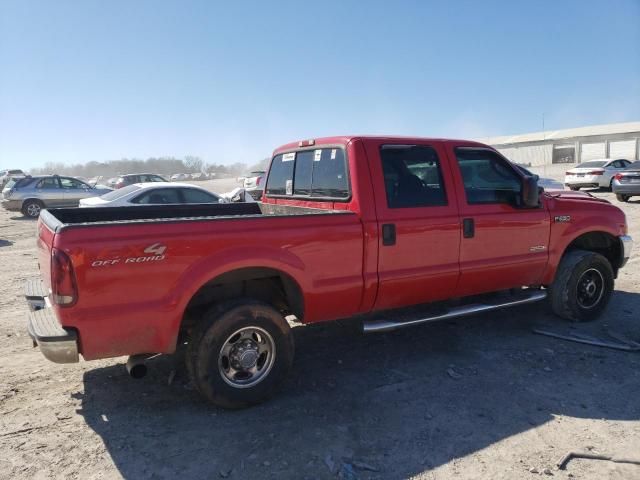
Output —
<point x="392" y="231"/>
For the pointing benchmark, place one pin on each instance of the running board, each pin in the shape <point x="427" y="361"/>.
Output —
<point x="386" y="325"/>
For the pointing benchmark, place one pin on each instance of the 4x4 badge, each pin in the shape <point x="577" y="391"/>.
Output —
<point x="156" y="249"/>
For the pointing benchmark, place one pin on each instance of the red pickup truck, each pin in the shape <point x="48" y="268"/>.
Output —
<point x="395" y="231"/>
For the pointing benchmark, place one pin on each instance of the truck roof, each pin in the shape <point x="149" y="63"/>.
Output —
<point x="344" y="139"/>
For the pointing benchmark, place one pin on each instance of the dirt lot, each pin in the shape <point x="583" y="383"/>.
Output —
<point x="481" y="397"/>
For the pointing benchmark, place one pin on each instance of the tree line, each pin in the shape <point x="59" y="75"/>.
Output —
<point x="162" y="165"/>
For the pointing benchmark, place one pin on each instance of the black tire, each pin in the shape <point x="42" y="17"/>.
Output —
<point x="31" y="208"/>
<point x="206" y="362"/>
<point x="622" y="198"/>
<point x="575" y="189"/>
<point x="578" y="271"/>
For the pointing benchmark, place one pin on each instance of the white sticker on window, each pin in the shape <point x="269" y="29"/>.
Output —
<point x="289" y="187"/>
<point x="317" y="155"/>
<point x="289" y="157"/>
<point x="333" y="154"/>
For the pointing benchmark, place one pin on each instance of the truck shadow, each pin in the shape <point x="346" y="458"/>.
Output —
<point x="402" y="402"/>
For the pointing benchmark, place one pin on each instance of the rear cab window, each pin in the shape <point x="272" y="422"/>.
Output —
<point x="310" y="174"/>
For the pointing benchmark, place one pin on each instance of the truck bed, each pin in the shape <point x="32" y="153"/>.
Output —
<point x="57" y="218"/>
<point x="138" y="268"/>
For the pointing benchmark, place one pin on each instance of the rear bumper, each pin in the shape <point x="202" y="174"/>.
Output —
<point x="626" y="244"/>
<point x="626" y="189"/>
<point x="57" y="344"/>
<point x="582" y="184"/>
<point x="12" y="205"/>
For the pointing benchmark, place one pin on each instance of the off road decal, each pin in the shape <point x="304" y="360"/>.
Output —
<point x="152" y="253"/>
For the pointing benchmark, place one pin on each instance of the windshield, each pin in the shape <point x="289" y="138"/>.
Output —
<point x="122" y="192"/>
<point x="594" y="164"/>
<point x="634" y="166"/>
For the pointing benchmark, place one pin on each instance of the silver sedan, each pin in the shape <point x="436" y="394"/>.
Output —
<point x="626" y="183"/>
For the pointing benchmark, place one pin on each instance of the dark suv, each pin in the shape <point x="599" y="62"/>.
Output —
<point x="124" y="180"/>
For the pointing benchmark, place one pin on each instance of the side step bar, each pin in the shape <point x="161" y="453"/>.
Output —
<point x="386" y="325"/>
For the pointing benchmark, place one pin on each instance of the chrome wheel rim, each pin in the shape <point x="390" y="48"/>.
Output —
<point x="33" y="209"/>
<point x="246" y="357"/>
<point x="590" y="288"/>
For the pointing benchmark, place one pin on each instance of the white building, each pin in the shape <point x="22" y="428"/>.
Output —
<point x="618" y="140"/>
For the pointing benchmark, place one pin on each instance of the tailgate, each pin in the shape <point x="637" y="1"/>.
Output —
<point x="45" y="244"/>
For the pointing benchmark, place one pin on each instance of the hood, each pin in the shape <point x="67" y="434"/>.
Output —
<point x="574" y="195"/>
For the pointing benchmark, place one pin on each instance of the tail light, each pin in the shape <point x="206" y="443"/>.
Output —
<point x="618" y="176"/>
<point x="64" y="288"/>
<point x="258" y="180"/>
<point x="595" y="172"/>
<point x="568" y="174"/>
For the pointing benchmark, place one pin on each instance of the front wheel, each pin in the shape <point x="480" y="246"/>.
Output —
<point x="622" y="198"/>
<point x="582" y="287"/>
<point x="240" y="353"/>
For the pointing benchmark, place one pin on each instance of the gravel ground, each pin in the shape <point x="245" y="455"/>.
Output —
<point x="480" y="397"/>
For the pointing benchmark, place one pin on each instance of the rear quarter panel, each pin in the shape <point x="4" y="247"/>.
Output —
<point x="127" y="306"/>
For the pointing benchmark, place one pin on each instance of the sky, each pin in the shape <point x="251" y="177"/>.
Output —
<point x="229" y="81"/>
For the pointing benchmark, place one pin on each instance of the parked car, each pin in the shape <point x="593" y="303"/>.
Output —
<point x="5" y="175"/>
<point x="594" y="173"/>
<point x="177" y="177"/>
<point x="254" y="183"/>
<point x="347" y="226"/>
<point x="626" y="184"/>
<point x="544" y="182"/>
<point x="155" y="193"/>
<point x="199" y="176"/>
<point x="124" y="180"/>
<point x="30" y="195"/>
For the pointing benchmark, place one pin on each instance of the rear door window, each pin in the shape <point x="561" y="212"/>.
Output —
<point x="48" y="183"/>
<point x="159" y="196"/>
<point x="311" y="174"/>
<point x="193" y="195"/>
<point x="412" y="176"/>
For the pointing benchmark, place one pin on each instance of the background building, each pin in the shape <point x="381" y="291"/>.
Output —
<point x="574" y="145"/>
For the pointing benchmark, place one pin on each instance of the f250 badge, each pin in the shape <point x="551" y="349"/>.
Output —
<point x="562" y="218"/>
<point x="153" y="253"/>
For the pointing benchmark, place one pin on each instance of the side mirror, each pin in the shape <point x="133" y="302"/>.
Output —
<point x="530" y="192"/>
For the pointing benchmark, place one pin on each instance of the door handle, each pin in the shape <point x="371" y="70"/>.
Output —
<point x="468" y="228"/>
<point x="388" y="234"/>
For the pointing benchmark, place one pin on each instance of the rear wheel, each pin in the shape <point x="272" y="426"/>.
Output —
<point x="240" y="353"/>
<point x="32" y="208"/>
<point x="582" y="287"/>
<point x="622" y="198"/>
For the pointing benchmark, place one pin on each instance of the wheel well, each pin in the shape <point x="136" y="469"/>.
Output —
<point x="600" y="242"/>
<point x="27" y="200"/>
<point x="266" y="284"/>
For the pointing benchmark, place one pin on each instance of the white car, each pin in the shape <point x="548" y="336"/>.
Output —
<point x="180" y="176"/>
<point x="153" y="193"/>
<point x="594" y="173"/>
